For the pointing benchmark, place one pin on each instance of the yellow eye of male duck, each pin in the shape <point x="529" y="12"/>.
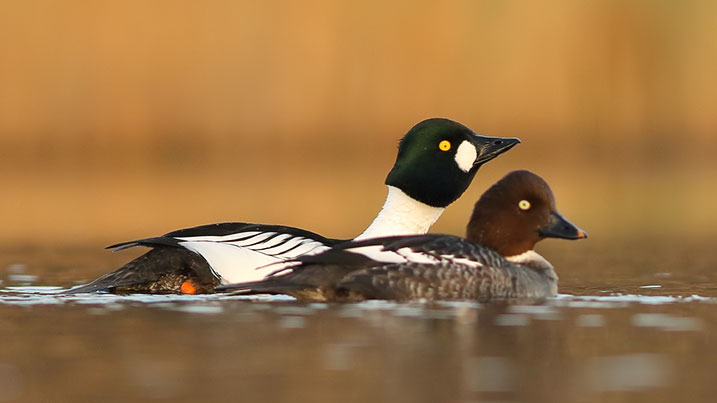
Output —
<point x="444" y="145"/>
<point x="524" y="205"/>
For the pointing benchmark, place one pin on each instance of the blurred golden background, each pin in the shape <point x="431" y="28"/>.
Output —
<point x="127" y="119"/>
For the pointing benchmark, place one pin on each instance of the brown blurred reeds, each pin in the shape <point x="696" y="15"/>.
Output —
<point x="128" y="119"/>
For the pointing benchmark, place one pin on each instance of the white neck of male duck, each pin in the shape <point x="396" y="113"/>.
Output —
<point x="402" y="215"/>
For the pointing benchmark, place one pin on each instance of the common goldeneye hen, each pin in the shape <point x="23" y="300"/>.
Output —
<point x="496" y="261"/>
<point x="437" y="160"/>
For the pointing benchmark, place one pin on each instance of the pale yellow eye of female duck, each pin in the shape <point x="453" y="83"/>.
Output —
<point x="444" y="145"/>
<point x="524" y="205"/>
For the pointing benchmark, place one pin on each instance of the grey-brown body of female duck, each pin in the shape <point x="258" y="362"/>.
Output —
<point x="496" y="261"/>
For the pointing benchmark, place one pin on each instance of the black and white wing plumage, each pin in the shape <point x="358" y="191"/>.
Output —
<point x="239" y="252"/>
<point x="209" y="255"/>
<point x="402" y="268"/>
<point x="429" y="248"/>
<point x="461" y="270"/>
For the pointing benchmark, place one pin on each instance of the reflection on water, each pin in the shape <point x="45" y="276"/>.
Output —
<point x="621" y="348"/>
<point x="629" y="372"/>
<point x="605" y="338"/>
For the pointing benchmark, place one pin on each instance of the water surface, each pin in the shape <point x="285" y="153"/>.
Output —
<point x="617" y="332"/>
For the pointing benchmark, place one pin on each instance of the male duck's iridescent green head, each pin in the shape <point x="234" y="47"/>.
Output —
<point x="438" y="158"/>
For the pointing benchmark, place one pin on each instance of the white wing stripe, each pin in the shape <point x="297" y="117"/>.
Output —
<point x="221" y="238"/>
<point x="284" y="248"/>
<point x="416" y="257"/>
<point x="462" y="261"/>
<point x="408" y="255"/>
<point x="305" y="248"/>
<point x="253" y="241"/>
<point x="275" y="242"/>
<point x="377" y="253"/>
<point x="318" y="248"/>
<point x="289" y="246"/>
<point x="269" y="243"/>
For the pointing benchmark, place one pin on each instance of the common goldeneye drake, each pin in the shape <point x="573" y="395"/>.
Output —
<point x="496" y="261"/>
<point x="437" y="160"/>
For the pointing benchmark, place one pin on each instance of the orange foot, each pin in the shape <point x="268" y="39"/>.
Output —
<point x="188" y="288"/>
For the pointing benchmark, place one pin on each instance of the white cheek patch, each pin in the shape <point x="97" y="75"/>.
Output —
<point x="462" y="261"/>
<point x="466" y="156"/>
